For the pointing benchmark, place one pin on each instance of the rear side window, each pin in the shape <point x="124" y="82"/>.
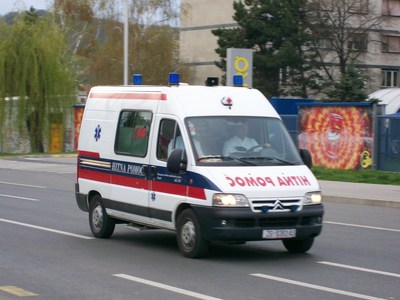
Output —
<point x="133" y="133"/>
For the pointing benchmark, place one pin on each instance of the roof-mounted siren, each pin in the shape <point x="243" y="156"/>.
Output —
<point x="137" y="79"/>
<point x="173" y="78"/>
<point x="212" y="81"/>
<point x="238" y="80"/>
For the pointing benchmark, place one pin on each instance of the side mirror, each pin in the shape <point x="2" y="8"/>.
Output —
<point x="306" y="157"/>
<point x="177" y="161"/>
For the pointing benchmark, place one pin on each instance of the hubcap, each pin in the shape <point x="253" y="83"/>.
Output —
<point x="188" y="234"/>
<point x="97" y="218"/>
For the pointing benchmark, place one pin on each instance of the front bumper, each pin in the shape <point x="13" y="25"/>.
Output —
<point x="241" y="224"/>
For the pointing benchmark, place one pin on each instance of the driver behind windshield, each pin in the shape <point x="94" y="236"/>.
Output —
<point x="240" y="142"/>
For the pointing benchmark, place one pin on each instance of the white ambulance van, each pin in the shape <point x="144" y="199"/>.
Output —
<point x="213" y="163"/>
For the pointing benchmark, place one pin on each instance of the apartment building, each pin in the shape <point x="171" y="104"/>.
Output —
<point x="379" y="46"/>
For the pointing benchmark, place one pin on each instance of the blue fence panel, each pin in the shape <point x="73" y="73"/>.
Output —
<point x="388" y="139"/>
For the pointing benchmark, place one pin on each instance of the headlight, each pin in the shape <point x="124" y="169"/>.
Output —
<point x="313" y="198"/>
<point x="230" y="200"/>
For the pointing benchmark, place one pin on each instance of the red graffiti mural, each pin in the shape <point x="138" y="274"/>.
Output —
<point x="337" y="137"/>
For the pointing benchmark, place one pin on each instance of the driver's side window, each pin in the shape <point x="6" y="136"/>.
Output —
<point x="169" y="138"/>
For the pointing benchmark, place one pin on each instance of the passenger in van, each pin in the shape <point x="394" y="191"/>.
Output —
<point x="179" y="145"/>
<point x="240" y="142"/>
<point x="178" y="142"/>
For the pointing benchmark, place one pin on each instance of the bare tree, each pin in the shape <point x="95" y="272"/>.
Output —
<point x="95" y="32"/>
<point x="341" y="29"/>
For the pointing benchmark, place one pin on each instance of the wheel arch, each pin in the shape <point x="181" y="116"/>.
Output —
<point x="181" y="207"/>
<point x="90" y="196"/>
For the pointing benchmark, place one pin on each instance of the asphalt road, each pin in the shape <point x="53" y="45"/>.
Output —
<point x="47" y="252"/>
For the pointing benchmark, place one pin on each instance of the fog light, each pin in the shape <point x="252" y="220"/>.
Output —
<point x="224" y="222"/>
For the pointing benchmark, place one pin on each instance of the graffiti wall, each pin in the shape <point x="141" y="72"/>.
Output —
<point x="338" y="137"/>
<point x="78" y="115"/>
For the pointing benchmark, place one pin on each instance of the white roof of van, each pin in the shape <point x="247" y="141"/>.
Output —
<point x="390" y="98"/>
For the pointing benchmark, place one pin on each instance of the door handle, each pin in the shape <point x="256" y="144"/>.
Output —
<point x="153" y="171"/>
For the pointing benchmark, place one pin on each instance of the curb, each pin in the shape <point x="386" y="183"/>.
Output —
<point x="370" y="202"/>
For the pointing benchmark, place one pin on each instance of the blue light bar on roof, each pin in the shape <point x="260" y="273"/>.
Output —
<point x="137" y="79"/>
<point x="173" y="78"/>
<point x="237" y="80"/>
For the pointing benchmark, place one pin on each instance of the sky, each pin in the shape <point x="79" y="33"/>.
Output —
<point x="14" y="5"/>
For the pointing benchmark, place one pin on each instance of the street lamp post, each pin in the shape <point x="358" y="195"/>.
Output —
<point x="126" y="28"/>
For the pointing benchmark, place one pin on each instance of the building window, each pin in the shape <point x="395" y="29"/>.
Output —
<point x="391" y="7"/>
<point x="357" y="42"/>
<point x="324" y="43"/>
<point x="391" y="44"/>
<point x="390" y="78"/>
<point x="358" y="6"/>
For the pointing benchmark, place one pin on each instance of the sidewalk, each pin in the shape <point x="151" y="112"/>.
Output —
<point x="361" y="193"/>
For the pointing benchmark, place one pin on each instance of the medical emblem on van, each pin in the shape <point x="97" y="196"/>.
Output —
<point x="97" y="132"/>
<point x="227" y="101"/>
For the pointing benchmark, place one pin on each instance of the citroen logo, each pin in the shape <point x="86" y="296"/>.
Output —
<point x="277" y="205"/>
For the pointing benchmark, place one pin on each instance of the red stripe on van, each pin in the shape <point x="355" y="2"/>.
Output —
<point x="89" y="154"/>
<point x="129" y="96"/>
<point x="157" y="186"/>
<point x="137" y="183"/>
<point x="96" y="176"/>
<point x="169" y="188"/>
<point x="195" y="192"/>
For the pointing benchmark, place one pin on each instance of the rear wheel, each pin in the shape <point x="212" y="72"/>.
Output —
<point x="298" y="246"/>
<point x="189" y="236"/>
<point x="101" y="224"/>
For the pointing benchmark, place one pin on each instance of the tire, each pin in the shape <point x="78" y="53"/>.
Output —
<point x="189" y="236"/>
<point x="298" y="246"/>
<point x="101" y="224"/>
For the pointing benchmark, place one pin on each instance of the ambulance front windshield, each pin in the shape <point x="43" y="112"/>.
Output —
<point x="238" y="141"/>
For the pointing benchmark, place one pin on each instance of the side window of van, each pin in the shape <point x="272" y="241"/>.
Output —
<point x="133" y="133"/>
<point x="169" y="138"/>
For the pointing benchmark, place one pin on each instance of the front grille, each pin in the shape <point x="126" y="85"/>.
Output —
<point x="276" y="205"/>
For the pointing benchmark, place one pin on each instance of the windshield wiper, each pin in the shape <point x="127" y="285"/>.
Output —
<point x="269" y="158"/>
<point x="225" y="158"/>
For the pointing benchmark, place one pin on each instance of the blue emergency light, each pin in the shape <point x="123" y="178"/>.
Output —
<point x="137" y="79"/>
<point x="237" y="80"/>
<point x="173" y="78"/>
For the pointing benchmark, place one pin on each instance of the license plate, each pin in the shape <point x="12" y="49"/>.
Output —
<point x="279" y="234"/>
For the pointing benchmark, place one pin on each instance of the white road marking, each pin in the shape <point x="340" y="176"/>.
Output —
<point x="47" y="229"/>
<point x="359" y="269"/>
<point x="316" y="287"/>
<point x="363" y="226"/>
<point x="166" y="287"/>
<point x="25" y="185"/>
<point x="18" y="197"/>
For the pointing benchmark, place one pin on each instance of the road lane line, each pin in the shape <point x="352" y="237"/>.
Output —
<point x="25" y="185"/>
<point x="363" y="226"/>
<point x="47" y="229"/>
<point x="18" y="197"/>
<point x="16" y="291"/>
<point x="317" y="287"/>
<point x="166" y="287"/>
<point x="359" y="269"/>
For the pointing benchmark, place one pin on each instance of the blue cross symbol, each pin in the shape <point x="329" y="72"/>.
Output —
<point x="153" y="196"/>
<point x="97" y="132"/>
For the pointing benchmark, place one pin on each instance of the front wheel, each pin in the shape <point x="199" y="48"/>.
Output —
<point x="298" y="246"/>
<point x="189" y="236"/>
<point x="101" y="224"/>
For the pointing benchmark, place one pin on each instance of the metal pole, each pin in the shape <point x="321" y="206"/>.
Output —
<point x="126" y="28"/>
